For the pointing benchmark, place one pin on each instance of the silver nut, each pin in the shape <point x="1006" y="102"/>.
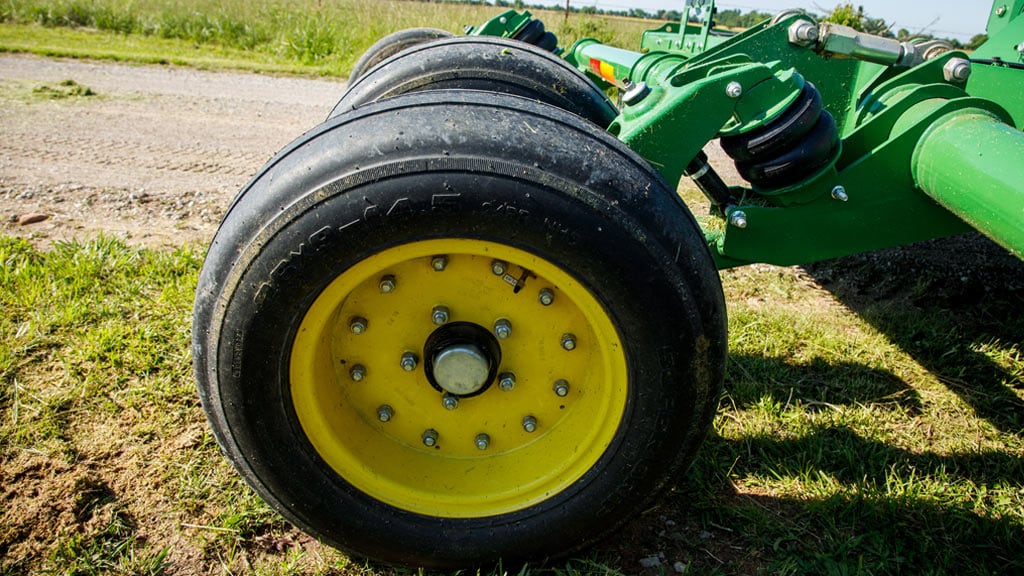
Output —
<point x="569" y="341"/>
<point x="439" y="263"/>
<point x="483" y="441"/>
<point x="387" y="284"/>
<point x="734" y="90"/>
<point x="502" y="328"/>
<point x="506" y="381"/>
<point x="839" y="193"/>
<point x="636" y="93"/>
<point x="561" y="388"/>
<point x="499" y="268"/>
<point x="440" y="315"/>
<point x="408" y="361"/>
<point x="529" y="424"/>
<point x="357" y="373"/>
<point x="803" y="33"/>
<point x="738" y="219"/>
<point x="449" y="402"/>
<point x="429" y="438"/>
<point x="358" y="325"/>
<point x="385" y="413"/>
<point x="1001" y="11"/>
<point x="546" y="297"/>
<point x="957" y="70"/>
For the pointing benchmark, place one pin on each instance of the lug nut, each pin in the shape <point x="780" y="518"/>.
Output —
<point x="440" y="315"/>
<point x="358" y="372"/>
<point x="430" y="438"/>
<point x="506" y="381"/>
<point x="409" y="361"/>
<point x="449" y="402"/>
<point x="499" y="268"/>
<point x="483" y="441"/>
<point x="529" y="424"/>
<point x="358" y="325"/>
<point x="387" y="284"/>
<point x="547" y="297"/>
<point x="439" y="263"/>
<point x="561" y="388"/>
<point x="502" y="328"/>
<point x="569" y="341"/>
<point x="385" y="413"/>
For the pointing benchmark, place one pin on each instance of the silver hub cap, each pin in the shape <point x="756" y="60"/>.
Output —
<point x="461" y="369"/>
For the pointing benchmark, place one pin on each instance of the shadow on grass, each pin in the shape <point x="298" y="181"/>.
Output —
<point x="944" y="302"/>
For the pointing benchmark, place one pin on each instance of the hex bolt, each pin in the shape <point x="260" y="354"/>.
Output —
<point x="529" y="424"/>
<point x="499" y="268"/>
<point x="439" y="263"/>
<point x="547" y="297"/>
<point x="387" y="284"/>
<point x="357" y="373"/>
<point x="502" y="328"/>
<point x="839" y="193"/>
<point x="358" y="324"/>
<point x="734" y="90"/>
<point x="957" y="70"/>
<point x="409" y="361"/>
<point x="483" y="441"/>
<point x="569" y="342"/>
<point x="561" y="388"/>
<point x="636" y="93"/>
<point x="803" y="33"/>
<point x="449" y="402"/>
<point x="506" y="381"/>
<point x="429" y="438"/>
<point x="440" y="315"/>
<point x="385" y="413"/>
<point x="738" y="219"/>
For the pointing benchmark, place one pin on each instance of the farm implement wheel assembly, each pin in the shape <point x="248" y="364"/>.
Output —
<point x="440" y="344"/>
<point x="392" y="44"/>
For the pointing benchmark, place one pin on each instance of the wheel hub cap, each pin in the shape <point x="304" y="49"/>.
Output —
<point x="461" y="369"/>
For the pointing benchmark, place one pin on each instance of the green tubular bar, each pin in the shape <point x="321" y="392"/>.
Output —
<point x="970" y="163"/>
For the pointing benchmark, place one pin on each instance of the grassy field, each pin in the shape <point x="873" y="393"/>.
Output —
<point x="873" y="420"/>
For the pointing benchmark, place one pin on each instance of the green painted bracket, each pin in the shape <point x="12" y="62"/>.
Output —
<point x="504" y="25"/>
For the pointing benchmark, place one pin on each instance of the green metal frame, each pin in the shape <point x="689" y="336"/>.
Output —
<point x="930" y="145"/>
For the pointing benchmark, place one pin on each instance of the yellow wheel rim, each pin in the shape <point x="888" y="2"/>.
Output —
<point x="388" y="432"/>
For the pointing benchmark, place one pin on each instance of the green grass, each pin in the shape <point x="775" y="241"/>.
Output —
<point x="304" y="36"/>
<point x="855" y="436"/>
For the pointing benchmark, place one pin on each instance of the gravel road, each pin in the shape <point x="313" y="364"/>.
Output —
<point x="154" y="157"/>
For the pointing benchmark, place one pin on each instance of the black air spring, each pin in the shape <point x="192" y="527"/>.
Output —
<point x="796" y="144"/>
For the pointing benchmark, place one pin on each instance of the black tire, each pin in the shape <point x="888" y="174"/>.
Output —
<point x="482" y="63"/>
<point x="399" y="177"/>
<point x="392" y="44"/>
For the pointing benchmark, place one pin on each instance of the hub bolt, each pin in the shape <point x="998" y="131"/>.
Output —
<point x="409" y="361"/>
<point x="569" y="341"/>
<point x="357" y="325"/>
<point x="439" y="263"/>
<point x="499" y="268"/>
<point x="547" y="297"/>
<point x="506" y="381"/>
<point x="385" y="413"/>
<point x="440" y="315"/>
<point x="387" y="284"/>
<point x="483" y="441"/>
<point x="430" y="438"/>
<point x="502" y="328"/>
<point x="561" y="388"/>
<point x="358" y="372"/>
<point x="449" y="402"/>
<point x="529" y="424"/>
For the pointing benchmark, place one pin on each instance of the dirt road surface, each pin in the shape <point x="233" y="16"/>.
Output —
<point x="154" y="156"/>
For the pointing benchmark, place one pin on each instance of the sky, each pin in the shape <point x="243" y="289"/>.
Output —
<point x="958" y="19"/>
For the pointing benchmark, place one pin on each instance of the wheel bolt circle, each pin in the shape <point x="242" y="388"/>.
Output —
<point x="408" y="361"/>
<point x="429" y="437"/>
<point x="440" y="315"/>
<point x="569" y="341"/>
<point x="357" y="373"/>
<point x="387" y="284"/>
<point x="547" y="297"/>
<point x="439" y="263"/>
<point x="358" y="324"/>
<point x="561" y="388"/>
<point x="450" y="402"/>
<point x="529" y="424"/>
<point x="483" y="441"/>
<point x="385" y="413"/>
<point x="506" y="381"/>
<point x="499" y="268"/>
<point x="502" y="328"/>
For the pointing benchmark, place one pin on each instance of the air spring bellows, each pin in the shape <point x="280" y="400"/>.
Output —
<point x="799" y="142"/>
<point x="533" y="33"/>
